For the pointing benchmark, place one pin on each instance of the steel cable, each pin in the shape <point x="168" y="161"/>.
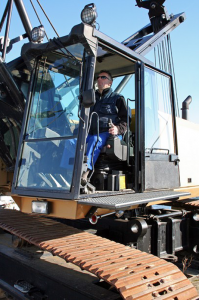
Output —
<point x="47" y="18"/>
<point x="173" y="73"/>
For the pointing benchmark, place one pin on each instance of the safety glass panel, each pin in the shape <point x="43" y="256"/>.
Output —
<point x="49" y="147"/>
<point x="159" y="136"/>
<point x="126" y="86"/>
<point x="47" y="164"/>
<point x="54" y="110"/>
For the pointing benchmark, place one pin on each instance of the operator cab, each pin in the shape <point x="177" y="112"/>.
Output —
<point x="51" y="156"/>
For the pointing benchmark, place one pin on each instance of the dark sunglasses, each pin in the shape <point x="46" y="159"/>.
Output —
<point x="102" y="77"/>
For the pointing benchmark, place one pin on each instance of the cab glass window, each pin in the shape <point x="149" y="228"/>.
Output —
<point x="158" y="116"/>
<point x="49" y="146"/>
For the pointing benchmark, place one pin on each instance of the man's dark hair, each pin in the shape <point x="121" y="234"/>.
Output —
<point x="109" y="73"/>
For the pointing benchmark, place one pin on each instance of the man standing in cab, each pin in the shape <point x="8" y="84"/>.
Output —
<point x="110" y="112"/>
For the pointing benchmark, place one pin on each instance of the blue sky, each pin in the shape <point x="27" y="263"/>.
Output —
<point x="120" y="19"/>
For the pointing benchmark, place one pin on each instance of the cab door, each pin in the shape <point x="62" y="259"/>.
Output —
<point x="161" y="170"/>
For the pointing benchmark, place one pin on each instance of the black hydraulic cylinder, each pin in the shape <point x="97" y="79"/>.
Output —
<point x="12" y="88"/>
<point x="185" y="107"/>
<point x="24" y="17"/>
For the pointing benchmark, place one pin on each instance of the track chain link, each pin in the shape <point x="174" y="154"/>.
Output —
<point x="135" y="274"/>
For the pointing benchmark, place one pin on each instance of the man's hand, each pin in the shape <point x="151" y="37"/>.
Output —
<point x="113" y="130"/>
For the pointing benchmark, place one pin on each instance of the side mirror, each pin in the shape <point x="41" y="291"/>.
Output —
<point x="88" y="98"/>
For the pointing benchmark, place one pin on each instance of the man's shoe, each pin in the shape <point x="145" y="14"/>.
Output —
<point x="84" y="178"/>
<point x="83" y="181"/>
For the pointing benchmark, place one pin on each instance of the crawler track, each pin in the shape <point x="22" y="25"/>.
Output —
<point x="135" y="274"/>
<point x="187" y="204"/>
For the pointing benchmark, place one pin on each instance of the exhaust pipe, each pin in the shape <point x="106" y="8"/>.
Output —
<point x="185" y="108"/>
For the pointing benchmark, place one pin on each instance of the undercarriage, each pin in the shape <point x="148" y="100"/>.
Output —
<point x="124" y="271"/>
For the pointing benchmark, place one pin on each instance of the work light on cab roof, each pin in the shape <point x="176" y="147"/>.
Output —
<point x="89" y="14"/>
<point x="38" y="34"/>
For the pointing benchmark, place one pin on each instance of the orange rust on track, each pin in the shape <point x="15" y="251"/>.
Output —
<point x="135" y="274"/>
<point x="187" y="204"/>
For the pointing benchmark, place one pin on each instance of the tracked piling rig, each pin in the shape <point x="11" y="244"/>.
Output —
<point x="45" y="101"/>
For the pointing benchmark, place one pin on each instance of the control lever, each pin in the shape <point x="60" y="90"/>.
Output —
<point x="110" y="124"/>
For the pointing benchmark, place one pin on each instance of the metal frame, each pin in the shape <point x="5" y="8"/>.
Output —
<point x="23" y="128"/>
<point x="10" y="5"/>
<point x="140" y="132"/>
<point x="24" y="17"/>
<point x="46" y="193"/>
<point x="174" y="111"/>
<point x="25" y="21"/>
<point x="142" y="44"/>
<point x="80" y="149"/>
<point x="170" y="157"/>
<point x="173" y="104"/>
<point x="116" y="46"/>
<point x="84" y="34"/>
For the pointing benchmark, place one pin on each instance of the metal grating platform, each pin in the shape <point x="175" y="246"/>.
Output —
<point x="127" y="200"/>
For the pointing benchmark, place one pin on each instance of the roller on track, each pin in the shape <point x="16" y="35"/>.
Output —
<point x="135" y="274"/>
